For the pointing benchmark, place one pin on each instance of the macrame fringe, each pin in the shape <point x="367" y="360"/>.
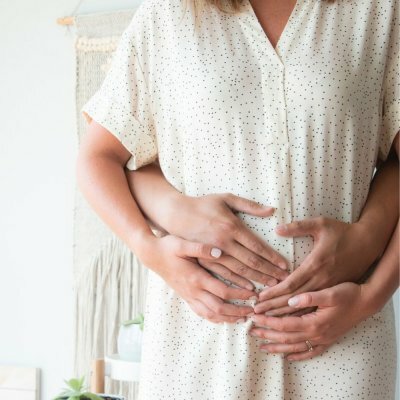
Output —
<point x="111" y="290"/>
<point x="106" y="44"/>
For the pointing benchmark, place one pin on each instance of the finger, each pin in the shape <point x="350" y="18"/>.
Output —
<point x="280" y="301"/>
<point x="277" y="336"/>
<point x="306" y="355"/>
<point x="251" y="241"/>
<point x="247" y="206"/>
<point x="287" y="324"/>
<point x="296" y="280"/>
<point x="245" y="271"/>
<point x="305" y="227"/>
<point x="272" y="273"/>
<point x="222" y="290"/>
<point x="204" y="312"/>
<point x="280" y="311"/>
<point x="318" y="298"/>
<point x="269" y="306"/>
<point x="220" y="307"/>
<point x="303" y="311"/>
<point x="226" y="273"/>
<point x="187" y="248"/>
<point x="284" y="348"/>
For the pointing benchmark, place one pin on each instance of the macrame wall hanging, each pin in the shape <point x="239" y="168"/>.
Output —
<point x="110" y="282"/>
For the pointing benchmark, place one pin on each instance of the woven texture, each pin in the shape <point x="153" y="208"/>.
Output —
<point x="110" y="282"/>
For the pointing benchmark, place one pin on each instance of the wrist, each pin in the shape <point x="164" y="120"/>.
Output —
<point x="142" y="244"/>
<point x="370" y="238"/>
<point x="178" y="209"/>
<point x="371" y="301"/>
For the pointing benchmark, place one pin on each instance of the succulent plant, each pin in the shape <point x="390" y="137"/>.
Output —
<point x="137" y="320"/>
<point x="75" y="391"/>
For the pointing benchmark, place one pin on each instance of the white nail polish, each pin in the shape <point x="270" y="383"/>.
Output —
<point x="293" y="302"/>
<point x="216" y="252"/>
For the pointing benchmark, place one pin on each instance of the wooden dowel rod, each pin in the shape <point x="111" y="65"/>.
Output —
<point x="97" y="378"/>
<point x="65" y="21"/>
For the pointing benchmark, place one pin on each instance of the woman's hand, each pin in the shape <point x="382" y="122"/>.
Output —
<point x="211" y="219"/>
<point x="339" y="309"/>
<point x="340" y="254"/>
<point x="174" y="259"/>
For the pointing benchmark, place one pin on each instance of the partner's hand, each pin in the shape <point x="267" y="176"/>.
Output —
<point x="211" y="219"/>
<point x="174" y="259"/>
<point x="340" y="254"/>
<point x="339" y="309"/>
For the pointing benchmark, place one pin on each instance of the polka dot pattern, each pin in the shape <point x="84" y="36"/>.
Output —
<point x="298" y="127"/>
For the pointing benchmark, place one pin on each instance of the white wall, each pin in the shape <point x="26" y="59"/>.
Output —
<point x="37" y="154"/>
<point x="37" y="184"/>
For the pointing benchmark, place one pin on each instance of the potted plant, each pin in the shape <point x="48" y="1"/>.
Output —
<point x="76" y="391"/>
<point x="129" y="342"/>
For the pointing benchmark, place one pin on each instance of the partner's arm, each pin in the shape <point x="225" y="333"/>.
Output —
<point x="327" y="324"/>
<point x="102" y="180"/>
<point x="342" y="252"/>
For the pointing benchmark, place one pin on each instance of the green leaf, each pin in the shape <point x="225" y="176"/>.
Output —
<point x="92" y="396"/>
<point x="137" y="320"/>
<point x="73" y="391"/>
<point x="82" y="380"/>
<point x="75" y="384"/>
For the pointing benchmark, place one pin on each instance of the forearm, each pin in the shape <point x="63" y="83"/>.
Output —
<point x="381" y="212"/>
<point x="102" y="181"/>
<point x="384" y="281"/>
<point x="154" y="195"/>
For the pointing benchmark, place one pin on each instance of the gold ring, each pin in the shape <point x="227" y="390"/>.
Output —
<point x="309" y="345"/>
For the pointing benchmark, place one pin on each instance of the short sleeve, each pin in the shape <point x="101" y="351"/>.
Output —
<point x="391" y="92"/>
<point x="122" y="104"/>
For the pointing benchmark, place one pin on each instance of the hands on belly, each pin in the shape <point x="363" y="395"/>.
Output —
<point x="339" y="255"/>
<point x="184" y="257"/>
<point x="339" y="309"/>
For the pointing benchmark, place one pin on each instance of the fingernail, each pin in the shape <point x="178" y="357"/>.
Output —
<point x="249" y="286"/>
<point x="252" y="333"/>
<point x="241" y="320"/>
<point x="293" y="301"/>
<point x="264" y="350"/>
<point x="250" y="314"/>
<point x="253" y="298"/>
<point x="216" y="252"/>
<point x="282" y="265"/>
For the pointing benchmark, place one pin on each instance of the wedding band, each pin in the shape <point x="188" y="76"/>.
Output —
<point x="309" y="345"/>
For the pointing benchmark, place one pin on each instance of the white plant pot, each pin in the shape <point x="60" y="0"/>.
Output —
<point x="129" y="342"/>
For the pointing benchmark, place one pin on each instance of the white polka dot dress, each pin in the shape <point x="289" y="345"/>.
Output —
<point x="298" y="127"/>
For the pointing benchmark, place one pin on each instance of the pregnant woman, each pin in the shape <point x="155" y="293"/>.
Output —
<point x="280" y="103"/>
